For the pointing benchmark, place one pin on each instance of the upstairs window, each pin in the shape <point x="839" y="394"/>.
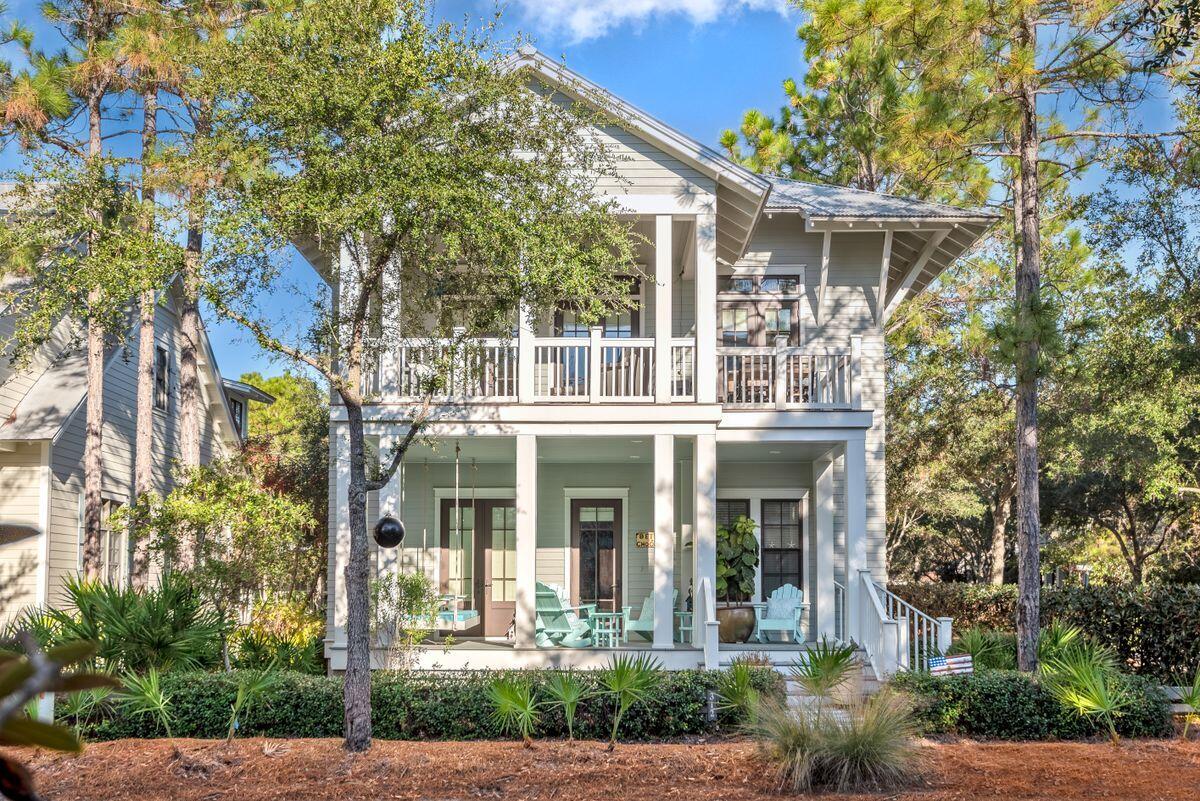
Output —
<point x="759" y="285"/>
<point x="238" y="410"/>
<point x="162" y="373"/>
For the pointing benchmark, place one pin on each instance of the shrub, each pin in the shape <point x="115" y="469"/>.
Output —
<point x="1010" y="705"/>
<point x="514" y="708"/>
<point x="989" y="650"/>
<point x="869" y="746"/>
<point x="281" y="634"/>
<point x="1151" y="628"/>
<point x="414" y="706"/>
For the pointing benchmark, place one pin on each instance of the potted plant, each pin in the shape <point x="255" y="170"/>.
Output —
<point x="737" y="561"/>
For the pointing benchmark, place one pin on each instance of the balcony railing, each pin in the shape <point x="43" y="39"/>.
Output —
<point x="597" y="369"/>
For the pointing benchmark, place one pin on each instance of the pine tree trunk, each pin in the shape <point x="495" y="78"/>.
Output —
<point x="357" y="687"/>
<point x="1000" y="515"/>
<point x="1028" y="312"/>
<point x="189" y="365"/>
<point x="144" y="438"/>
<point x="93" y="465"/>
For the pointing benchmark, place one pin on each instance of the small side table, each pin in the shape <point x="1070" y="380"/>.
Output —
<point x="606" y="628"/>
<point x="683" y="626"/>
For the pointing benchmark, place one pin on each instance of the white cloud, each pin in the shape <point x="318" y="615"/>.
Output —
<point x="591" y="19"/>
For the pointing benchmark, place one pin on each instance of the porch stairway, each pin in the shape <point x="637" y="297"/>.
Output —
<point x="862" y="684"/>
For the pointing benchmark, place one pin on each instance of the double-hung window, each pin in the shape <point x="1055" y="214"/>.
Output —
<point x="755" y="310"/>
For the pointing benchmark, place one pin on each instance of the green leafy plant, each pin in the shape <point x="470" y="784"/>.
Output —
<point x="737" y="560"/>
<point x="989" y="650"/>
<point x="1089" y="687"/>
<point x="567" y="691"/>
<point x="514" y="707"/>
<point x="143" y="696"/>
<point x="404" y="608"/>
<point x="252" y="687"/>
<point x="736" y="690"/>
<point x="629" y="680"/>
<point x="1056" y="639"/>
<point x="824" y="669"/>
<point x="1189" y="696"/>
<point x="282" y="633"/>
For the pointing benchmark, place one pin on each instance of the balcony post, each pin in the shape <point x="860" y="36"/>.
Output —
<point x="706" y="308"/>
<point x="781" y="364"/>
<point x="826" y="595"/>
<point x="855" y="372"/>
<point x="524" y="355"/>
<point x="663" y="297"/>
<point x="595" y="363"/>
<point x="855" y="486"/>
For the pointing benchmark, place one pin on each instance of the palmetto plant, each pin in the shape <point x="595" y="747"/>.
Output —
<point x="1084" y="682"/>
<point x="629" y="680"/>
<point x="824" y="669"/>
<point x="736" y="689"/>
<point x="252" y="686"/>
<point x="1058" y="638"/>
<point x="1190" y="697"/>
<point x="566" y="690"/>
<point x="514" y="707"/>
<point x="143" y="696"/>
<point x="988" y="649"/>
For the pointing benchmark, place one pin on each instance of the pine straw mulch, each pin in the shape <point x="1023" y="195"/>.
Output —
<point x="258" y="770"/>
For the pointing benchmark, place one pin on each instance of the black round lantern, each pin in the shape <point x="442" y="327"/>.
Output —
<point x="389" y="532"/>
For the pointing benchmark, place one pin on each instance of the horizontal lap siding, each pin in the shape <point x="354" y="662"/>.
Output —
<point x="644" y="169"/>
<point x="21" y="479"/>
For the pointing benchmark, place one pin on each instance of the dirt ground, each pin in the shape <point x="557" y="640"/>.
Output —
<point x="258" y="770"/>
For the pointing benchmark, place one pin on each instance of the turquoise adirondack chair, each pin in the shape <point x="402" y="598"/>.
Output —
<point x="560" y="624"/>
<point x="783" y="613"/>
<point x="644" y="622"/>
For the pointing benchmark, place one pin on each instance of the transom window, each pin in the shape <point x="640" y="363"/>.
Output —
<point x="760" y="285"/>
<point x="782" y="545"/>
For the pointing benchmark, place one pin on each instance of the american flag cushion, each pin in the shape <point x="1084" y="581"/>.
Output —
<point x="951" y="665"/>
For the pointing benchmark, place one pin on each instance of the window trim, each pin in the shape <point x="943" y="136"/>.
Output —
<point x="756" y="496"/>
<point x="757" y="319"/>
<point x="801" y="550"/>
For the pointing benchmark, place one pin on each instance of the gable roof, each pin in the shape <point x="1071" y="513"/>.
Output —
<point x="843" y="202"/>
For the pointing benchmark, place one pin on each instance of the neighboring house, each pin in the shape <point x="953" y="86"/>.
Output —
<point x="599" y="462"/>
<point x="42" y="419"/>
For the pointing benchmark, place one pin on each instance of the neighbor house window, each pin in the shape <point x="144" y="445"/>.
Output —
<point x="782" y="545"/>
<point x="162" y="376"/>
<point x="238" y="410"/>
<point x="115" y="555"/>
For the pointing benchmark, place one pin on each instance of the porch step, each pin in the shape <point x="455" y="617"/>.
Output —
<point x="863" y="683"/>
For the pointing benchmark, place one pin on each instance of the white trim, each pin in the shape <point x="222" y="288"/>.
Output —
<point x="42" y="591"/>
<point x="756" y="496"/>
<point x="619" y="494"/>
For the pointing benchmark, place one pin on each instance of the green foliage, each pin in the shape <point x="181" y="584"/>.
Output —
<point x="825" y="668"/>
<point x="282" y="633"/>
<point x="1189" y="696"/>
<point x="869" y="746"/>
<point x="143" y="696"/>
<point x="514" y="707"/>
<point x="566" y="691"/>
<point x="1085" y="682"/>
<point x="1010" y="705"/>
<point x="404" y="608"/>
<point x="982" y="606"/>
<point x="738" y="696"/>
<point x="165" y="627"/>
<point x="737" y="560"/>
<point x="252" y="687"/>
<point x="629" y="680"/>
<point x="989" y="650"/>
<point x="409" y="705"/>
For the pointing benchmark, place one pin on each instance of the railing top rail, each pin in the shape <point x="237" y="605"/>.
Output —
<point x="691" y="341"/>
<point x="903" y="604"/>
<point x="581" y="342"/>
<point x="466" y="342"/>
<point x="873" y="594"/>
<point x="806" y="350"/>
<point x="638" y="342"/>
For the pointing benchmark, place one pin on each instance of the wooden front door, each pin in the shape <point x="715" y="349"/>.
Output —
<point x="478" y="561"/>
<point x="596" y="553"/>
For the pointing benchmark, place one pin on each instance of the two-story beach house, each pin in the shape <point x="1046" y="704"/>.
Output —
<point x="570" y="502"/>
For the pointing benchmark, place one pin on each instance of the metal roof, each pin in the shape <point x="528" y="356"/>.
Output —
<point x="821" y="200"/>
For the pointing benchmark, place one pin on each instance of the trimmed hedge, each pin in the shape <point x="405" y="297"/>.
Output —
<point x="1154" y="629"/>
<point x="1009" y="705"/>
<point x="413" y="706"/>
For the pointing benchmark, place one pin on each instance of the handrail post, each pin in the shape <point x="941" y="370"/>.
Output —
<point x="855" y="372"/>
<point x="595" y="362"/>
<point x="945" y="634"/>
<point x="781" y="363"/>
<point x="525" y="356"/>
<point x="903" y="643"/>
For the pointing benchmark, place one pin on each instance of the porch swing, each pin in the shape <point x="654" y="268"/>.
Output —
<point x="451" y="615"/>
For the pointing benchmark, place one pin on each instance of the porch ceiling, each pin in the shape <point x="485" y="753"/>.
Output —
<point x="771" y="451"/>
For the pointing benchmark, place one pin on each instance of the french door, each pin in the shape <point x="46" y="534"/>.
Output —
<point x="479" y="560"/>
<point x="596" y="553"/>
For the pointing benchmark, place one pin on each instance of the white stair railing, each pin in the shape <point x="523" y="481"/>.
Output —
<point x="894" y="633"/>
<point x="878" y="634"/>
<point x="706" y="623"/>
<point x="926" y="635"/>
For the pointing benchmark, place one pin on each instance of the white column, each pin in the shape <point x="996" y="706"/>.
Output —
<point x="663" y="276"/>
<point x="824" y="600"/>
<point x="856" y="372"/>
<point x="664" y="539"/>
<point x="524" y="355"/>
<point x="389" y="502"/>
<point x="856" y="525"/>
<point x="596" y="363"/>
<point x="704" y="543"/>
<point x="526" y="574"/>
<point x="706" y="308"/>
<point x="340" y="435"/>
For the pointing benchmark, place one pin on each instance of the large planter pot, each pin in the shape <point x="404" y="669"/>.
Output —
<point x="736" y="623"/>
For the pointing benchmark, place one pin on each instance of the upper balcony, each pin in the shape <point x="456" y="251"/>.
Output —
<point x="603" y="370"/>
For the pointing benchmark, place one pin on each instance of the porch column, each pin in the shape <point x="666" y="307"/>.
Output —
<point x="825" y="599"/>
<point x="664" y="539"/>
<point x="704" y="546"/>
<point x="856" y="526"/>
<point x="706" y="309"/>
<point x="662" y="308"/>
<point x="526" y="572"/>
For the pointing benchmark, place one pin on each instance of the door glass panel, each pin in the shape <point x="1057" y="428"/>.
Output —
<point x="461" y="553"/>
<point x="598" y="557"/>
<point x="504" y="554"/>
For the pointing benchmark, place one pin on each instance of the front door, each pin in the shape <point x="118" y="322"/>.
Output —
<point x="478" y="561"/>
<point x="596" y="553"/>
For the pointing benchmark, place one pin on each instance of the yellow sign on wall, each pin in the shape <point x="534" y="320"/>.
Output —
<point x="644" y="539"/>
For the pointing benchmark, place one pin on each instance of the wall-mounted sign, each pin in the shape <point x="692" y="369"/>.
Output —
<point x="644" y="539"/>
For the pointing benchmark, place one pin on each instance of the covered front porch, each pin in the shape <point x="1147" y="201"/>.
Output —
<point x="556" y="550"/>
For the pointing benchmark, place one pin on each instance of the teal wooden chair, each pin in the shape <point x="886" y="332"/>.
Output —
<point x="559" y="624"/>
<point x="782" y="613"/>
<point x="644" y="622"/>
